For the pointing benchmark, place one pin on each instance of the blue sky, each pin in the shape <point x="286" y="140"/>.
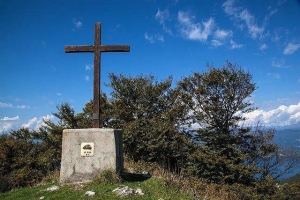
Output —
<point x="174" y="37"/>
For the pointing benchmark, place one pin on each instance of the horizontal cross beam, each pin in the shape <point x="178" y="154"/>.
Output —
<point x="101" y="48"/>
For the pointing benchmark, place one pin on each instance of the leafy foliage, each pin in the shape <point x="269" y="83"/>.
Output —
<point x="86" y="117"/>
<point x="20" y="163"/>
<point x="216" y="96"/>
<point x="149" y="113"/>
<point x="216" y="99"/>
<point x="227" y="151"/>
<point x="27" y="156"/>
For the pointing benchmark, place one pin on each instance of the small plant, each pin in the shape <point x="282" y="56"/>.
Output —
<point x="108" y="177"/>
<point x="51" y="177"/>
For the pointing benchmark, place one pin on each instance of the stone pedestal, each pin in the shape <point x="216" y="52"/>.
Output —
<point x="87" y="152"/>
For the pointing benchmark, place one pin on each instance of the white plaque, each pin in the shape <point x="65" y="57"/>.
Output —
<point x="87" y="149"/>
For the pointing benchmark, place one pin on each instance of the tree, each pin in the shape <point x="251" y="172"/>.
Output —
<point x="86" y="116"/>
<point x="20" y="163"/>
<point x="269" y="157"/>
<point x="66" y="116"/>
<point x="149" y="113"/>
<point x="216" y="100"/>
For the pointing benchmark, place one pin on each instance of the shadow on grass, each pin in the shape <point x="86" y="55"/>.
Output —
<point x="133" y="177"/>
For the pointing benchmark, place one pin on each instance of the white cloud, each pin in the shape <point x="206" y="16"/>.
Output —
<point x="9" y="105"/>
<point x="192" y="30"/>
<point x="163" y="17"/>
<point x="5" y="105"/>
<point x="14" y="123"/>
<point x="271" y="13"/>
<point x="86" y="78"/>
<point x="280" y="2"/>
<point x="88" y="67"/>
<point x="184" y="18"/>
<point x="222" y="34"/>
<point x="154" y="38"/>
<point x="30" y="123"/>
<point x="235" y="45"/>
<point x="243" y="16"/>
<point x="10" y="118"/>
<point x="216" y="43"/>
<point x="5" y="126"/>
<point x="274" y="75"/>
<point x="278" y="63"/>
<point x="220" y="37"/>
<point x="276" y="36"/>
<point x="8" y="123"/>
<point x="229" y="8"/>
<point x="291" y="48"/>
<point x="263" y="47"/>
<point x="253" y="29"/>
<point x="77" y="23"/>
<point x="22" y="107"/>
<point x="36" y="123"/>
<point x="281" y="116"/>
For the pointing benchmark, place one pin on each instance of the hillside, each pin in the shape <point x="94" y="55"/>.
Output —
<point x="143" y="186"/>
<point x="293" y="180"/>
<point x="151" y="188"/>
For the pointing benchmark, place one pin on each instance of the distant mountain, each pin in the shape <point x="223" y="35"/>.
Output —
<point x="292" y="179"/>
<point x="292" y="126"/>
<point x="287" y="138"/>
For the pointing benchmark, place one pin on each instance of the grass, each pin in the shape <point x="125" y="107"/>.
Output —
<point x="156" y="188"/>
<point x="153" y="188"/>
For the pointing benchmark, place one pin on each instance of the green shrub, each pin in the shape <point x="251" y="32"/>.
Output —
<point x="108" y="177"/>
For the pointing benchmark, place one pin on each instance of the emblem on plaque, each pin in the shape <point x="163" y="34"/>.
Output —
<point x="87" y="149"/>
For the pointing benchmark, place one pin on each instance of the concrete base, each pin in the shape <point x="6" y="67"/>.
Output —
<point x="81" y="162"/>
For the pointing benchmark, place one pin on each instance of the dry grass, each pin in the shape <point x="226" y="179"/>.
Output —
<point x="189" y="185"/>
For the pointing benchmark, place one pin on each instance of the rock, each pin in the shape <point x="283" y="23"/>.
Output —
<point x="52" y="188"/>
<point x="42" y="197"/>
<point x="139" y="191"/>
<point x="77" y="186"/>
<point x="130" y="170"/>
<point x="124" y="190"/>
<point x="90" y="193"/>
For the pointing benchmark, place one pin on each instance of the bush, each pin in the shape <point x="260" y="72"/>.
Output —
<point x="108" y="177"/>
<point x="25" y="158"/>
<point x="19" y="162"/>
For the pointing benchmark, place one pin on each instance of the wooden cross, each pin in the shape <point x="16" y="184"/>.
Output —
<point x="97" y="48"/>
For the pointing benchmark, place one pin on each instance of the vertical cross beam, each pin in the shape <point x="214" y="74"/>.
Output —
<point x="97" y="75"/>
<point x="97" y="48"/>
